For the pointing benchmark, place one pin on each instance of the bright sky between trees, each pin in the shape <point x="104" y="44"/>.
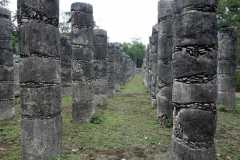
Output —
<point x="123" y="19"/>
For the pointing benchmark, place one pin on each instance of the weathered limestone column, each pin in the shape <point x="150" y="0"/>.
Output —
<point x="194" y="85"/>
<point x="66" y="65"/>
<point x="39" y="49"/>
<point x="121" y="68"/>
<point x="117" y="68"/>
<point x="164" y="67"/>
<point x="82" y="72"/>
<point x="111" y="69"/>
<point x="148" y="69"/>
<point x="100" y="67"/>
<point x="7" y="108"/>
<point x="16" y="70"/>
<point x="227" y="50"/>
<point x="153" y="60"/>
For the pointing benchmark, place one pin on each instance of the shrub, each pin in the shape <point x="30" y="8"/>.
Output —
<point x="154" y="107"/>
<point x="238" y="81"/>
<point x="96" y="119"/>
<point x="168" y="124"/>
<point x="222" y="109"/>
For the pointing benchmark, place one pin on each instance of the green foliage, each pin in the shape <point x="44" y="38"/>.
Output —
<point x="14" y="34"/>
<point x="58" y="158"/>
<point x="228" y="13"/>
<point x="112" y="97"/>
<point x="4" y="3"/>
<point x="101" y="105"/>
<point x="154" y="107"/>
<point x="168" y="124"/>
<point x="96" y="119"/>
<point x="136" y="50"/>
<point x="222" y="109"/>
<point x="238" y="81"/>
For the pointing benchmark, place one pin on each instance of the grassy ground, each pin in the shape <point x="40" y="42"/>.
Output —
<point x="128" y="130"/>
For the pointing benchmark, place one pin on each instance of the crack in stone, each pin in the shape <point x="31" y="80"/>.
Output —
<point x="81" y="46"/>
<point x="32" y="15"/>
<point x="5" y="38"/>
<point x="5" y="16"/>
<point x="201" y="8"/>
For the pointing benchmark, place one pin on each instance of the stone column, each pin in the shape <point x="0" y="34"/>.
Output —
<point x="82" y="72"/>
<point x="153" y="51"/>
<point x="66" y="65"/>
<point x="148" y="70"/>
<point x="194" y="68"/>
<point x="111" y="69"/>
<point x="100" y="66"/>
<point x="227" y="49"/>
<point x="39" y="73"/>
<point x="16" y="70"/>
<point x="121" y="68"/>
<point x="117" y="69"/>
<point x="7" y="108"/>
<point x="164" y="67"/>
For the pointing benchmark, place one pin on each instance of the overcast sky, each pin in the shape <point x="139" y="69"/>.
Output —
<point x="123" y="19"/>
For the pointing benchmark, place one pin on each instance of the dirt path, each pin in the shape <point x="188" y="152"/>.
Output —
<point x="238" y="94"/>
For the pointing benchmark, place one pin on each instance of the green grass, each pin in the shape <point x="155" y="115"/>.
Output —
<point x="128" y="130"/>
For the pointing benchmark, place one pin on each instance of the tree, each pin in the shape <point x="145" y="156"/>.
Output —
<point x="14" y="34"/>
<point x="228" y="14"/>
<point x="65" y="23"/>
<point x="137" y="52"/>
<point x="4" y="3"/>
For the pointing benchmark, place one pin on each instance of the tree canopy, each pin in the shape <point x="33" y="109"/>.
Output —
<point x="136" y="50"/>
<point x="228" y="14"/>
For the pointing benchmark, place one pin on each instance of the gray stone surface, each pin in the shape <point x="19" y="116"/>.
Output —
<point x="83" y="62"/>
<point x="16" y="71"/>
<point x="111" y="69"/>
<point x="40" y="77"/>
<point x="164" y="65"/>
<point x="117" y="67"/>
<point x="153" y="58"/>
<point x="66" y="66"/>
<point x="227" y="51"/>
<point x="100" y="67"/>
<point x="194" y="80"/>
<point x="7" y="108"/>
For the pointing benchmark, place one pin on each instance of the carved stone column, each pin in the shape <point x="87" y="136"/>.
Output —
<point x="100" y="66"/>
<point x="111" y="69"/>
<point x="227" y="50"/>
<point x="66" y="66"/>
<point x="164" y="67"/>
<point x="194" y="85"/>
<point x="39" y="49"/>
<point x="83" y="63"/>
<point x="7" y="108"/>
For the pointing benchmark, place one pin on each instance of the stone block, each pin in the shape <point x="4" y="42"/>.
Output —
<point x="165" y="48"/>
<point x="84" y="36"/>
<point x="100" y="52"/>
<point x="82" y="71"/>
<point x="82" y="19"/>
<point x="82" y="92"/>
<point x="164" y="103"/>
<point x="226" y="99"/>
<point x="7" y="109"/>
<point x="180" y="151"/>
<point x="82" y="111"/>
<point x="7" y="91"/>
<point x="41" y="138"/>
<point x="178" y="5"/>
<point x="66" y="48"/>
<point x="82" y="7"/>
<point x="85" y="54"/>
<point x="6" y="44"/>
<point x="6" y="74"/>
<point x="40" y="39"/>
<point x="226" y="67"/>
<point x="195" y="93"/>
<point x="39" y="70"/>
<point x="43" y="102"/>
<point x="165" y="72"/>
<point x="185" y="65"/>
<point x="226" y="84"/>
<point x="194" y="28"/>
<point x="5" y="28"/>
